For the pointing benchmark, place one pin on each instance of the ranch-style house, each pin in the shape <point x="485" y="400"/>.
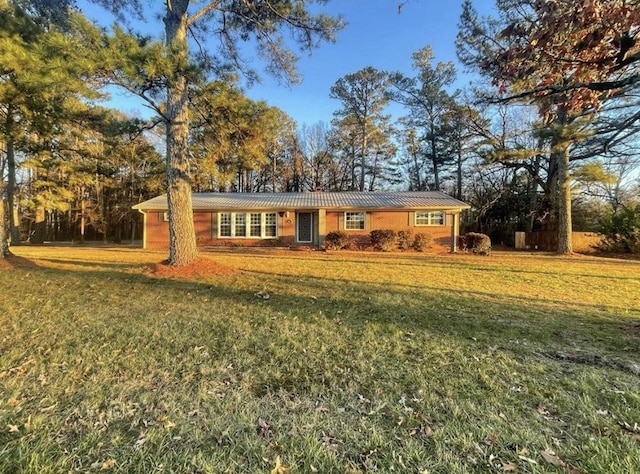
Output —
<point x="304" y="219"/>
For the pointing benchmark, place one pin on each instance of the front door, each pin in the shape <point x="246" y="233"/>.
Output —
<point x="305" y="227"/>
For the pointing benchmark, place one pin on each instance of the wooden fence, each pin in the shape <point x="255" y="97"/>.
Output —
<point x="583" y="242"/>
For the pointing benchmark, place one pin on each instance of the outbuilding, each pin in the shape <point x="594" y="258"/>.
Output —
<point x="304" y="219"/>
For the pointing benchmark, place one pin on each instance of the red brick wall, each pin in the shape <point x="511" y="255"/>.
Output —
<point x="157" y="231"/>
<point x="394" y="220"/>
<point x="205" y="224"/>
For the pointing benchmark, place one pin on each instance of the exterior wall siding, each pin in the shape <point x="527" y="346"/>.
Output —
<point x="393" y="220"/>
<point x="206" y="227"/>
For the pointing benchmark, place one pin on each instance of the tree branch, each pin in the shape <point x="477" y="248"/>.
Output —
<point x="553" y="89"/>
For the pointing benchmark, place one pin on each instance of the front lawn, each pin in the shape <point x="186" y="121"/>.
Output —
<point x="306" y="362"/>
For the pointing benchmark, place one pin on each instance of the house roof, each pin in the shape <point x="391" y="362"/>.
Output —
<point x="314" y="200"/>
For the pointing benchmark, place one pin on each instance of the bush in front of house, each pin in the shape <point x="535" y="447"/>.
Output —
<point x="383" y="239"/>
<point x="405" y="239"/>
<point x="421" y="242"/>
<point x="475" y="242"/>
<point x="336" y="240"/>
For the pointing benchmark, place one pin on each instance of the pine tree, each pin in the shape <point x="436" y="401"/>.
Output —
<point x="165" y="78"/>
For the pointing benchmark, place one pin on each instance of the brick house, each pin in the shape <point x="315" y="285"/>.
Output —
<point x="304" y="219"/>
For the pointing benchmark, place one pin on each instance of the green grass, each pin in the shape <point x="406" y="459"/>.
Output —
<point x="356" y="362"/>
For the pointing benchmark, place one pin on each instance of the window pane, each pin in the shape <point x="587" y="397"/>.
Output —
<point x="430" y="218"/>
<point x="225" y="224"/>
<point x="241" y="225"/>
<point x="255" y="225"/>
<point x="270" y="225"/>
<point x="422" y="218"/>
<point x="354" y="220"/>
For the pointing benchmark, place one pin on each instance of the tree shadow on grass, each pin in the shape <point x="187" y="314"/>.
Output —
<point x="470" y="317"/>
<point x="14" y="261"/>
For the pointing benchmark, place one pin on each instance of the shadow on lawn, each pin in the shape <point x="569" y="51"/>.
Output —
<point x="492" y="319"/>
<point x="475" y="263"/>
<point x="14" y="261"/>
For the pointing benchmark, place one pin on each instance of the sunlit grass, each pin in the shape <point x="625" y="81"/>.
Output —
<point x="356" y="362"/>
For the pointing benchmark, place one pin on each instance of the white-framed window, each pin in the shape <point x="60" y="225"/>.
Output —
<point x="240" y="225"/>
<point x="354" y="220"/>
<point x="256" y="224"/>
<point x="224" y="224"/>
<point x="270" y="225"/>
<point x="164" y="216"/>
<point x="429" y="218"/>
<point x="240" y="220"/>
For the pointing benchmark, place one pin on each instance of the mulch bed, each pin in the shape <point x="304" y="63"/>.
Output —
<point x="202" y="266"/>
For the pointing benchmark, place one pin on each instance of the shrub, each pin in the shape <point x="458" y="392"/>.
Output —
<point x="621" y="231"/>
<point x="475" y="242"/>
<point x="383" y="239"/>
<point x="405" y="239"/>
<point x="421" y="242"/>
<point x="336" y="240"/>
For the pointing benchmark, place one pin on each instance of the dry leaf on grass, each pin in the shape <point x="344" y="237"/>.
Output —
<point x="509" y="467"/>
<point x="551" y="458"/>
<point x="263" y="428"/>
<point x="279" y="467"/>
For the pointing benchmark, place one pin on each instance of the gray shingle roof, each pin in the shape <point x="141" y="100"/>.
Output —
<point x="314" y="200"/>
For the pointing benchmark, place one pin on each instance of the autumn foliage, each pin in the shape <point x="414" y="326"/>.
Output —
<point x="581" y="49"/>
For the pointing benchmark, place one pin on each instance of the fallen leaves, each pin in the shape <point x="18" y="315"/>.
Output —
<point x="632" y="431"/>
<point x="279" y="467"/>
<point x="262" y="295"/>
<point x="104" y="465"/>
<point x="262" y="428"/>
<point x="551" y="457"/>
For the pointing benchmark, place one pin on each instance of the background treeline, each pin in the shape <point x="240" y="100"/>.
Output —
<point x="71" y="169"/>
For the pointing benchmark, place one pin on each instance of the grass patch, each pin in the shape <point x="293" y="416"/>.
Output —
<point x="323" y="362"/>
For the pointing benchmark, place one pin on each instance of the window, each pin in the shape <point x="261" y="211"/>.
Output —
<point x="429" y="218"/>
<point x="257" y="225"/>
<point x="225" y="224"/>
<point x="354" y="220"/>
<point x="270" y="225"/>
<point x="164" y="216"/>
<point x="241" y="225"/>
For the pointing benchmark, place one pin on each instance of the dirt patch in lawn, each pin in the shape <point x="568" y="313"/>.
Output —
<point x="202" y="266"/>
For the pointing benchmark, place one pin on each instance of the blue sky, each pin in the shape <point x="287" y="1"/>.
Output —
<point x="376" y="35"/>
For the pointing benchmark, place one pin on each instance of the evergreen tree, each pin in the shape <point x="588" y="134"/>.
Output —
<point x="566" y="57"/>
<point x="164" y="78"/>
<point x="364" y="97"/>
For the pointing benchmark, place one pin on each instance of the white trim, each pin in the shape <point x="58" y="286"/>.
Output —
<point x="432" y="219"/>
<point x="364" y="220"/>
<point x="247" y="225"/>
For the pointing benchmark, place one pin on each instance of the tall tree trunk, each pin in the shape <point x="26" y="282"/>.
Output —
<point x="434" y="158"/>
<point x="4" y="235"/>
<point x="40" y="225"/>
<point x="560" y="144"/>
<point x="14" y="229"/>
<point x="565" y="245"/>
<point x="459" y="170"/>
<point x="182" y="238"/>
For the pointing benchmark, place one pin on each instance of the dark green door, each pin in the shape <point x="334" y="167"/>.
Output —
<point x="305" y="227"/>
